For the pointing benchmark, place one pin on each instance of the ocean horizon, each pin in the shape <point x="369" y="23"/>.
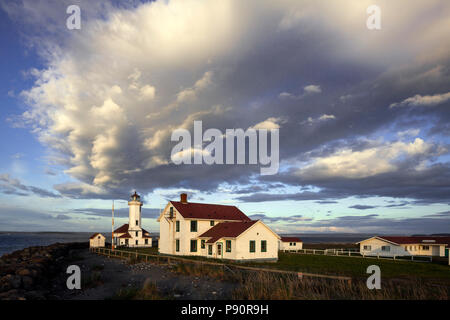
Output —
<point x="11" y="241"/>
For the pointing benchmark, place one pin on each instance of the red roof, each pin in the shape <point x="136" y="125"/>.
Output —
<point x="206" y="211"/>
<point x="122" y="229"/>
<point x="227" y="229"/>
<point x="145" y="234"/>
<point x="94" y="235"/>
<point x="126" y="235"/>
<point x="418" y="239"/>
<point x="290" y="239"/>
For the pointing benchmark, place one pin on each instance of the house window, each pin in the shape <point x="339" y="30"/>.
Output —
<point x="228" y="246"/>
<point x="290" y="244"/>
<point x="194" y="226"/>
<point x="367" y="248"/>
<point x="177" y="245"/>
<point x="386" y="248"/>
<point x="203" y="244"/>
<point x="136" y="242"/>
<point x="126" y="241"/>
<point x="137" y="222"/>
<point x="137" y="233"/>
<point x="210" y="249"/>
<point x="263" y="246"/>
<point x="177" y="226"/>
<point x="193" y="245"/>
<point x="211" y="223"/>
<point x="146" y="241"/>
<point x="425" y="248"/>
<point x="295" y="243"/>
<point x="99" y="237"/>
<point x="252" y="245"/>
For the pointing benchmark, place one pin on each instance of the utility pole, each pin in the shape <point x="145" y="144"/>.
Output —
<point x="112" y="234"/>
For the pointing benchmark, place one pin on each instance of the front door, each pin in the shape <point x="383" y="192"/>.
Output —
<point x="219" y="250"/>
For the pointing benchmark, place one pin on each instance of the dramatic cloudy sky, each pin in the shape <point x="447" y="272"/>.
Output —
<point x="363" y="115"/>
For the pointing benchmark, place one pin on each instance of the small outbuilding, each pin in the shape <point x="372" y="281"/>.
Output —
<point x="97" y="240"/>
<point x="405" y="246"/>
<point x="290" y="244"/>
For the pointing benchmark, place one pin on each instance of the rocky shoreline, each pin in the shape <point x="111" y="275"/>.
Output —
<point x="26" y="274"/>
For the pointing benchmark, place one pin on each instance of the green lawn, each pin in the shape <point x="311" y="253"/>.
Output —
<point x="344" y="266"/>
<point x="356" y="267"/>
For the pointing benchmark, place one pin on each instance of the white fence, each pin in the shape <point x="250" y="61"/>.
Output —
<point x="355" y="253"/>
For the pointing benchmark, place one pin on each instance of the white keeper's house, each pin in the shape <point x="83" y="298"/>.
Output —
<point x="132" y="234"/>
<point x="405" y="246"/>
<point x="214" y="231"/>
<point x="290" y="244"/>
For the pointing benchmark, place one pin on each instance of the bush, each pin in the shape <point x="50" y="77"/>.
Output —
<point x="267" y="286"/>
<point x="149" y="291"/>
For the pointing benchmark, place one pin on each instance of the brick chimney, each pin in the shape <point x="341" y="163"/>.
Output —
<point x="183" y="198"/>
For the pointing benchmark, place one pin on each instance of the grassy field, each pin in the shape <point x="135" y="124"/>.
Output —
<point x="356" y="267"/>
<point x="403" y="280"/>
<point x="344" y="266"/>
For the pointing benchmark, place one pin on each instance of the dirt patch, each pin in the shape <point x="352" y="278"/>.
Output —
<point x="112" y="278"/>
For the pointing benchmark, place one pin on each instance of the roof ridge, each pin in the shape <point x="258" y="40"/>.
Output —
<point x="211" y="204"/>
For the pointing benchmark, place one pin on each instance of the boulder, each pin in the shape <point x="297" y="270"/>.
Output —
<point x="27" y="282"/>
<point x="16" y="281"/>
<point x="23" y="272"/>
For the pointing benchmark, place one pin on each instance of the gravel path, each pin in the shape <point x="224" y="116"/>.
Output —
<point x="115" y="274"/>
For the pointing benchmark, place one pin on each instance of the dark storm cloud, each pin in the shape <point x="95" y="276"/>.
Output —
<point x="379" y="225"/>
<point x="306" y="195"/>
<point x="118" y="213"/>
<point x="271" y="219"/>
<point x="362" y="207"/>
<point x="398" y="205"/>
<point x="427" y="185"/>
<point x="375" y="224"/>
<point x="22" y="219"/>
<point x="13" y="186"/>
<point x="445" y="214"/>
<point x="274" y="53"/>
<point x="63" y="217"/>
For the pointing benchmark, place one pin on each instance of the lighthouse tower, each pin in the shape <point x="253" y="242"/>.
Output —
<point x="135" y="205"/>
<point x="132" y="234"/>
